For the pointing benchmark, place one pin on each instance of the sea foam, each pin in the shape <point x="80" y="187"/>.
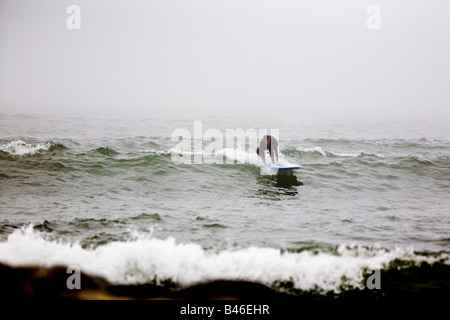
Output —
<point x="145" y="259"/>
<point x="233" y="155"/>
<point x="21" y="148"/>
<point x="331" y="153"/>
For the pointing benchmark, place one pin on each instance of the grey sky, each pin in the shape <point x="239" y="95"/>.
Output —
<point x="140" y="58"/>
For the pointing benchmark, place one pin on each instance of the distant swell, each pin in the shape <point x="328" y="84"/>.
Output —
<point x="106" y="151"/>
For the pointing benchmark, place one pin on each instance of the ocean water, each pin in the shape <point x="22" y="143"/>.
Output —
<point x="106" y="195"/>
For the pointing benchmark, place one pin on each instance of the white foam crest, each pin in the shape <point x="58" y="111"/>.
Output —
<point x="145" y="259"/>
<point x="340" y="154"/>
<point x="359" y="154"/>
<point x="20" y="148"/>
<point x="241" y="156"/>
<point x="184" y="152"/>
<point x="154" y="151"/>
<point x="325" y="153"/>
<point x="314" y="149"/>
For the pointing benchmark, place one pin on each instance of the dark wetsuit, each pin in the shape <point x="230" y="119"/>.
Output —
<point x="272" y="146"/>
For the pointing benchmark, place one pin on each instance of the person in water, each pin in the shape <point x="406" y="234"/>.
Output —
<point x="268" y="143"/>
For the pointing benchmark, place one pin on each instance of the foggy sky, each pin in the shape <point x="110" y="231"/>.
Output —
<point x="141" y="58"/>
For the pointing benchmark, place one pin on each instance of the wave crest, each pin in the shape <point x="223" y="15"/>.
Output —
<point x="330" y="153"/>
<point x="144" y="258"/>
<point x="21" y="148"/>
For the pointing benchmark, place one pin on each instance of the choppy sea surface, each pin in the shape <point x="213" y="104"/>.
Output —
<point x="106" y="195"/>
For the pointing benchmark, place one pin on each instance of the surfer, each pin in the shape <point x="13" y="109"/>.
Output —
<point x="268" y="143"/>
